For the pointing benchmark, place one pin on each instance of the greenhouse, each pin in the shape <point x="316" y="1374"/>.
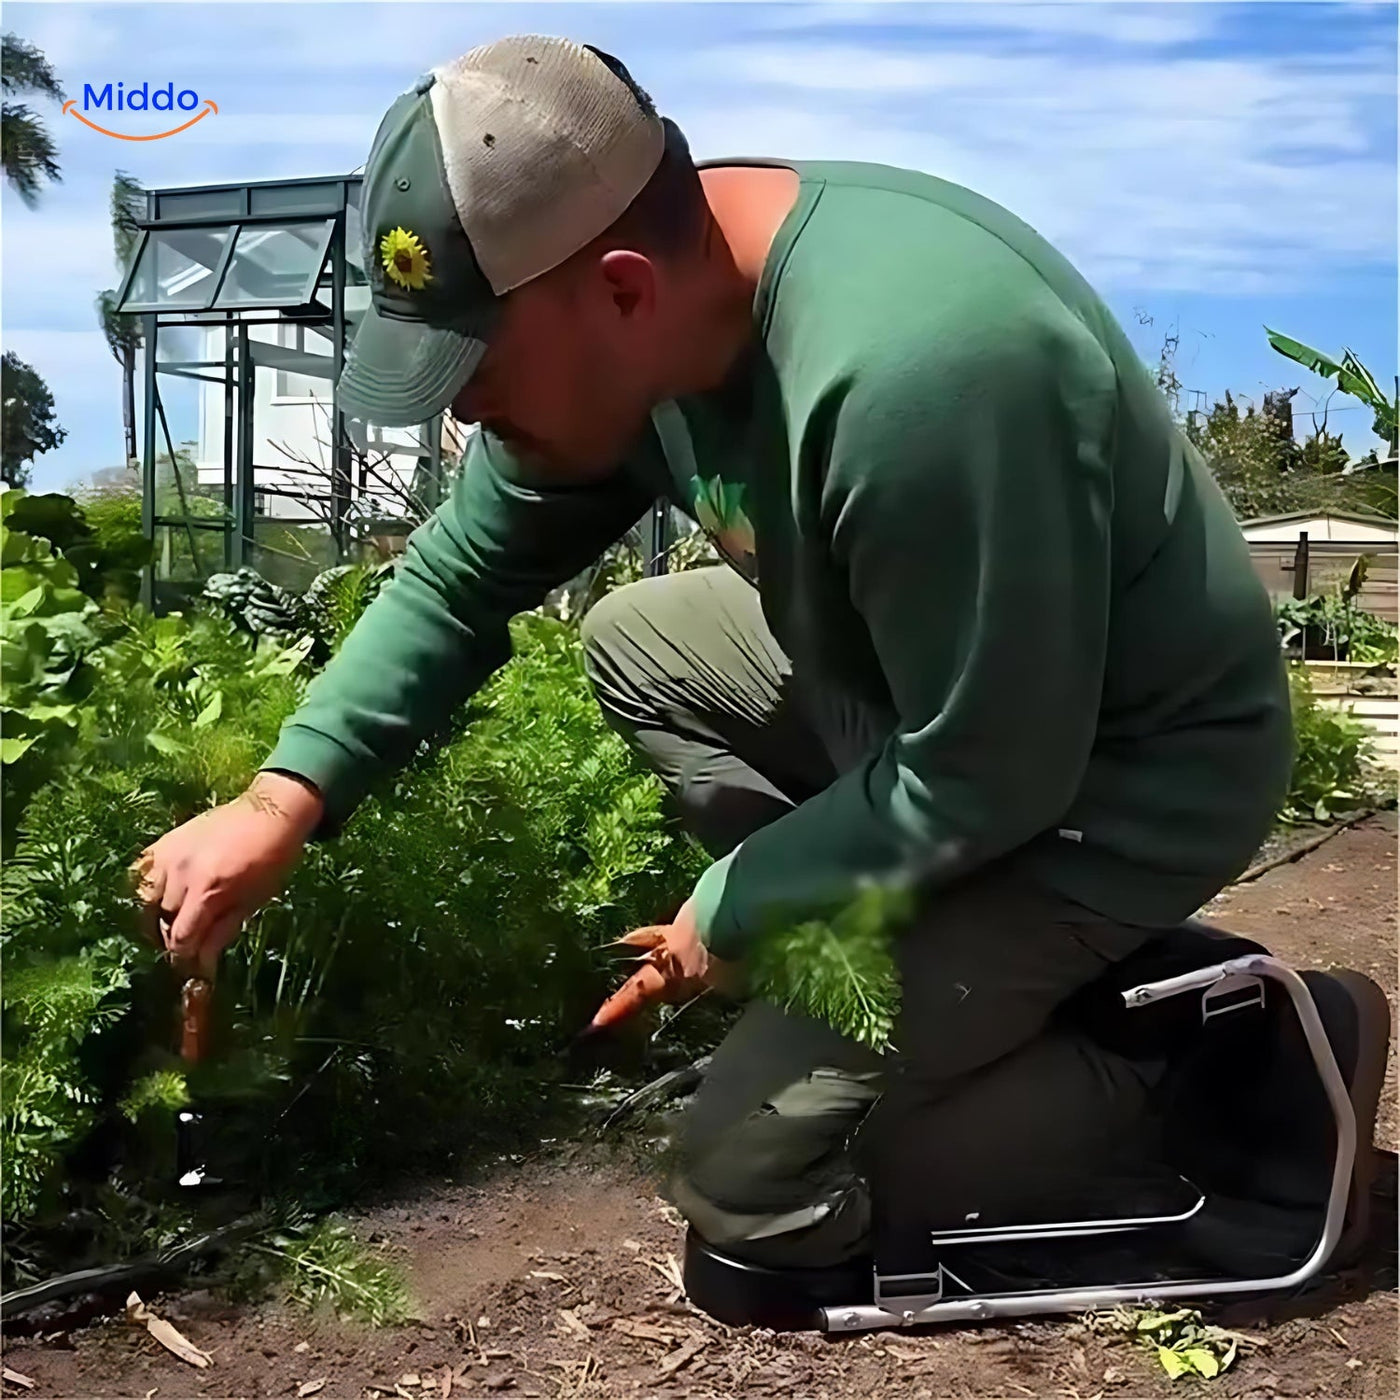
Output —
<point x="249" y="294"/>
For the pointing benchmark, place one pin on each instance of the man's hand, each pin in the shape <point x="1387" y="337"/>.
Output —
<point x="676" y="966"/>
<point x="200" y="882"/>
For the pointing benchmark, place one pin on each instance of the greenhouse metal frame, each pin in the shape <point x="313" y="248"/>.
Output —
<point x="237" y="255"/>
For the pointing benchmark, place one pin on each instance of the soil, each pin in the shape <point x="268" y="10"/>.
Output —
<point x="555" y="1275"/>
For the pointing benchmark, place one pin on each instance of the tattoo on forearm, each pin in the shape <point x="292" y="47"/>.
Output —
<point x="261" y="802"/>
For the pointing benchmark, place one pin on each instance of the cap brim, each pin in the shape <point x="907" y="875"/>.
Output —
<point x="400" y="373"/>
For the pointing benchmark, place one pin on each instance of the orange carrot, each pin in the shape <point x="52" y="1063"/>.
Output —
<point x="645" y="985"/>
<point x="195" y="998"/>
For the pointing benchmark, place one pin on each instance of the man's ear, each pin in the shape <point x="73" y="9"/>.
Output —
<point x="630" y="279"/>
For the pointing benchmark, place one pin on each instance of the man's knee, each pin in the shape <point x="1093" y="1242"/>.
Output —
<point x="777" y="1184"/>
<point x="786" y="1152"/>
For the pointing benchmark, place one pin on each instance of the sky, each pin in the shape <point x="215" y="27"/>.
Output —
<point x="1210" y="168"/>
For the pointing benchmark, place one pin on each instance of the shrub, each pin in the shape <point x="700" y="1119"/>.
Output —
<point x="1328" y="626"/>
<point x="407" y="990"/>
<point x="46" y="632"/>
<point x="1330" y="762"/>
<point x="101" y="539"/>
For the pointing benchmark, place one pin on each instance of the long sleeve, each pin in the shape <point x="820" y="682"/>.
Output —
<point x="967" y="502"/>
<point x="440" y="628"/>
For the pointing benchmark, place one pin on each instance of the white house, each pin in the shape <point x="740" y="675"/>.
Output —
<point x="1329" y="527"/>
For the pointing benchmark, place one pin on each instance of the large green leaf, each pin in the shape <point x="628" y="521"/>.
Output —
<point x="13" y="749"/>
<point x="1202" y="1360"/>
<point x="1173" y="1363"/>
<point x="1351" y="375"/>
<point x="211" y="711"/>
<point x="1354" y="367"/>
<point x="21" y="593"/>
<point x="1302" y="354"/>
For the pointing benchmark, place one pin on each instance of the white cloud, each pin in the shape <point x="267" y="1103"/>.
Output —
<point x="1105" y="20"/>
<point x="1210" y="173"/>
<point x="352" y="130"/>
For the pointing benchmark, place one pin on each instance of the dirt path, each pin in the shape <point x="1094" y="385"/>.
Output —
<point x="555" y="1278"/>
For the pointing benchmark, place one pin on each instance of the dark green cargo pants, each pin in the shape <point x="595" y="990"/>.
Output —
<point x="985" y="1106"/>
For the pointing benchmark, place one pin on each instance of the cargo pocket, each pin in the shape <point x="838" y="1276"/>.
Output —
<point x="790" y="1152"/>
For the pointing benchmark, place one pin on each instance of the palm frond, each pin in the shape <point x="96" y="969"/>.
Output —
<point x="23" y="68"/>
<point x="27" y="152"/>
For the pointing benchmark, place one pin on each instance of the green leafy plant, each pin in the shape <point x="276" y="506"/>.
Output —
<point x="1331" y="625"/>
<point x="840" y="971"/>
<point x="46" y="1100"/>
<point x="338" y="596"/>
<point x="107" y="562"/>
<point x="162" y="1089"/>
<point x="325" y="1265"/>
<point x="1328" y="626"/>
<point x="408" y="989"/>
<point x="46" y="635"/>
<point x="1181" y="1341"/>
<point x="263" y="608"/>
<point x="1332" y="754"/>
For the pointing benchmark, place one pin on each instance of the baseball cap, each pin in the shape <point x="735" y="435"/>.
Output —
<point x="492" y="170"/>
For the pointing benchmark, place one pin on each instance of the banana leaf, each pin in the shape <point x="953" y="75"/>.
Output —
<point x="1351" y="375"/>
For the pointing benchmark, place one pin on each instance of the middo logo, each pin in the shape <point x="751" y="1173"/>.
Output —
<point x="114" y="98"/>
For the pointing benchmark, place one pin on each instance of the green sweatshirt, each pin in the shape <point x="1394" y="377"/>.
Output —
<point x="964" y="500"/>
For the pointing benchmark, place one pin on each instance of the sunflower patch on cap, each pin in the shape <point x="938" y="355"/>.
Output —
<point x="405" y="259"/>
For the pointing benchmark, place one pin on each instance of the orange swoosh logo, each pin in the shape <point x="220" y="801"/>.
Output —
<point x="71" y="107"/>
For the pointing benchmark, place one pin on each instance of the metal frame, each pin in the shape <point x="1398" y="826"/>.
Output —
<point x="216" y="277"/>
<point x="272" y="303"/>
<point x="235" y="206"/>
<point x="892" y="1310"/>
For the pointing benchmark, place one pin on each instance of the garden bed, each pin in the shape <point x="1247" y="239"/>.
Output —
<point x="552" y="1275"/>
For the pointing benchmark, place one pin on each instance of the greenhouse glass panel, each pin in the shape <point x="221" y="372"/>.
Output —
<point x="177" y="269"/>
<point x="275" y="264"/>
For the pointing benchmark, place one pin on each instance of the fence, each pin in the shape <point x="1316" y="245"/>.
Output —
<point x="1298" y="569"/>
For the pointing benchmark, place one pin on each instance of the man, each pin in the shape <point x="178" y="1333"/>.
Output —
<point x="988" y="630"/>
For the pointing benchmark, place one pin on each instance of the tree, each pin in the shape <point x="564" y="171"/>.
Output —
<point x="1352" y="378"/>
<point x="29" y="423"/>
<point x="123" y="332"/>
<point x="1264" y="470"/>
<point x="1250" y="454"/>
<point x="1260" y="463"/>
<point x="27" y="151"/>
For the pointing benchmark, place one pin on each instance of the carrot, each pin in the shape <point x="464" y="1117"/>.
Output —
<point x="645" y="985"/>
<point x="195" y="998"/>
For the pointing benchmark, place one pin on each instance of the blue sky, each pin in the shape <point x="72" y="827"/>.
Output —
<point x="1210" y="166"/>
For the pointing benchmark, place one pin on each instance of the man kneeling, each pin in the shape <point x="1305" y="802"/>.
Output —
<point x="986" y="625"/>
